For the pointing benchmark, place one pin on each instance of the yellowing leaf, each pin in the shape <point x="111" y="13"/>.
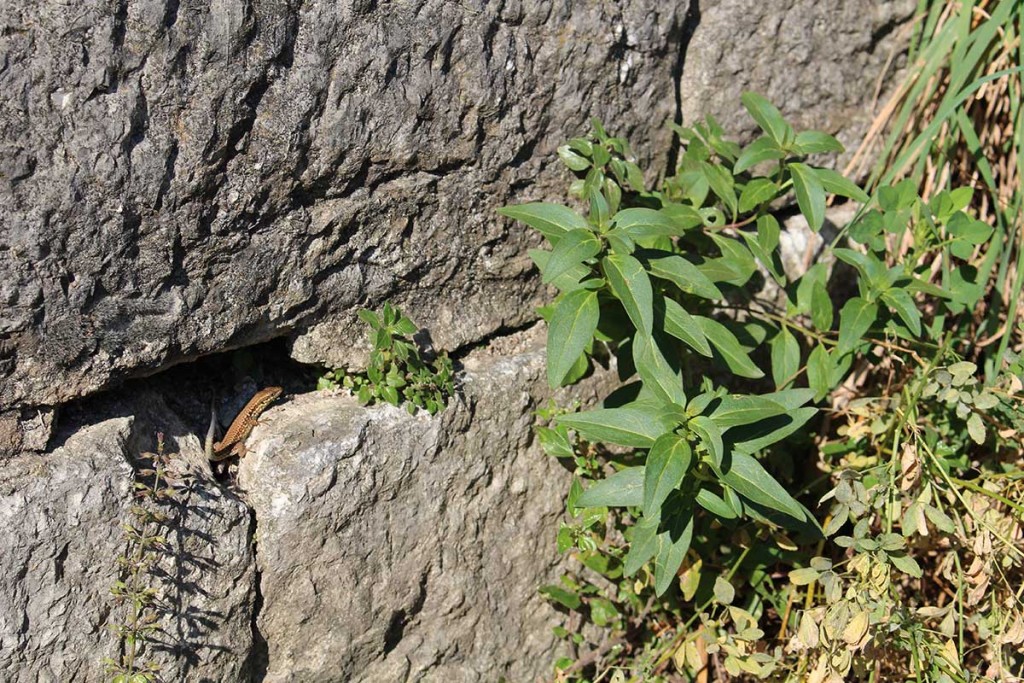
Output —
<point x="856" y="629"/>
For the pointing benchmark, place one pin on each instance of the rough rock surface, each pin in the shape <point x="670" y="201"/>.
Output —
<point x="179" y="177"/>
<point x="61" y="514"/>
<point x="819" y="62"/>
<point x="401" y="548"/>
<point x="388" y="547"/>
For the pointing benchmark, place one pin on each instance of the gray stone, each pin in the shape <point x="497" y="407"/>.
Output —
<point x="185" y="177"/>
<point x="178" y="178"/>
<point x="62" y="515"/>
<point x="388" y="546"/>
<point x="822" y="63"/>
<point x="395" y="547"/>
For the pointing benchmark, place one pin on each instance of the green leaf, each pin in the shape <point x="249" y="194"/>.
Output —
<point x="760" y="150"/>
<point x="667" y="463"/>
<point x="643" y="545"/>
<point x="626" y="426"/>
<point x="370" y="318"/>
<point x="816" y="142"/>
<point x="722" y="184"/>
<point x="803" y="576"/>
<point x="738" y="257"/>
<point x="821" y="307"/>
<point x="600" y="209"/>
<point x="655" y="371"/>
<point x="768" y="232"/>
<point x="566" y="282"/>
<point x="724" y="591"/>
<point x="555" y="443"/>
<point x="572" y="249"/>
<point x="816" y="274"/>
<point x="602" y="611"/>
<point x="405" y="327"/>
<point x="785" y="357"/>
<point x="629" y="282"/>
<point x="973" y="231"/>
<point x="673" y="546"/>
<point x="907" y="565"/>
<point x="620" y="241"/>
<point x="837" y="183"/>
<point x="684" y="275"/>
<point x="685" y="216"/>
<point x="819" y="372"/>
<point x="736" y="409"/>
<point x="750" y="439"/>
<point x="714" y="504"/>
<point x="791" y="399"/>
<point x="976" y="428"/>
<point x="561" y="596"/>
<point x="728" y="346"/>
<point x="903" y="304"/>
<point x="768" y="258"/>
<point x="757" y="192"/>
<point x="855" y="320"/>
<point x="685" y="327"/>
<point x="753" y="482"/>
<point x="625" y="488"/>
<point x="710" y="436"/>
<point x="940" y="519"/>
<point x="551" y="220"/>
<point x="573" y="160"/>
<point x="640" y="223"/>
<point x="810" y="195"/>
<point x="768" y="118"/>
<point x="572" y="328"/>
<point x="866" y="264"/>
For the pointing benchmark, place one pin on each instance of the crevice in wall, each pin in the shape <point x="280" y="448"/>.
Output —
<point x="183" y="392"/>
<point x="178" y="398"/>
<point x="401" y="618"/>
<point x="258" y="659"/>
<point x="483" y="342"/>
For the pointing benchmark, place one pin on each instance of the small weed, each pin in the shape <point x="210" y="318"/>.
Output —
<point x="397" y="374"/>
<point x="136" y="592"/>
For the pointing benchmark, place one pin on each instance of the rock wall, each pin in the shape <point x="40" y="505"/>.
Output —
<point x="62" y="515"/>
<point x="183" y="177"/>
<point x="379" y="547"/>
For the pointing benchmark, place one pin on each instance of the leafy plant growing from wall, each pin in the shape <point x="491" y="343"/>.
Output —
<point x="716" y="374"/>
<point x="397" y="373"/>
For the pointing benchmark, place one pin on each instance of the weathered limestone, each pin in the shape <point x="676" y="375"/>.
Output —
<point x="380" y="546"/>
<point x="62" y="513"/>
<point x="182" y="177"/>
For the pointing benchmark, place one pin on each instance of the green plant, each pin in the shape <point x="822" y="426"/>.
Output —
<point x="955" y="120"/>
<point x="683" y="519"/>
<point x="397" y="372"/>
<point x="136" y="591"/>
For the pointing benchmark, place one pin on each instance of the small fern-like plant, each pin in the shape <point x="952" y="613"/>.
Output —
<point x="135" y="592"/>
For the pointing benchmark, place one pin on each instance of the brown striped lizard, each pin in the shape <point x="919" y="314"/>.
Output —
<point x="233" y="442"/>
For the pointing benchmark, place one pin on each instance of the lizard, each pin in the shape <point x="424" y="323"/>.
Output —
<point x="233" y="442"/>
